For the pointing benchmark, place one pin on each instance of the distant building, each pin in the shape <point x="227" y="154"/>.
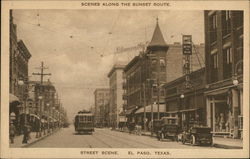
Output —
<point x="44" y="99"/>
<point x="116" y="101"/>
<point x="224" y="71"/>
<point x="101" y="99"/>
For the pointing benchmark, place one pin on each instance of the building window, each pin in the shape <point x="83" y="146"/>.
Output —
<point x="213" y="27"/>
<point x="228" y="53"/>
<point x="214" y="67"/>
<point x="214" y="21"/>
<point x="162" y="65"/>
<point x="154" y="65"/>
<point x="238" y="18"/>
<point x="226" y="22"/>
<point x="227" y="62"/>
<point x="215" y="60"/>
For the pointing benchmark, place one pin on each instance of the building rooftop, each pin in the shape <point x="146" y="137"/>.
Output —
<point x="157" y="39"/>
<point x="116" y="66"/>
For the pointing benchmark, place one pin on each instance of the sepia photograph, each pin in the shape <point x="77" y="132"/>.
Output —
<point x="98" y="80"/>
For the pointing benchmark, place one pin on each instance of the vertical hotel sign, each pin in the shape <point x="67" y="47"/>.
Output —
<point x="187" y="52"/>
<point x="187" y="44"/>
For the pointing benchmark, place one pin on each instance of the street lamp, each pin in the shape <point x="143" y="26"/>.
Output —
<point x="21" y="83"/>
<point x="182" y="96"/>
<point x="40" y="112"/>
<point x="236" y="69"/>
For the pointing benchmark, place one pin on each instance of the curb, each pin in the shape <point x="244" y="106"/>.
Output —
<point x="227" y="146"/>
<point x="214" y="145"/>
<point x="41" y="138"/>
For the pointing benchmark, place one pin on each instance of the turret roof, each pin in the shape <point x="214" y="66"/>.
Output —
<point x="157" y="39"/>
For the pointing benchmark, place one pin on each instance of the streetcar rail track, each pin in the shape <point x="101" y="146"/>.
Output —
<point x="119" y="138"/>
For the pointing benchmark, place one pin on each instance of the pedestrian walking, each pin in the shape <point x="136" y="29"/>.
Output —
<point x="12" y="132"/>
<point x="25" y="134"/>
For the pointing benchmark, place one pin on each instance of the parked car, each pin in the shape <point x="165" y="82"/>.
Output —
<point x="169" y="128"/>
<point x="156" y="126"/>
<point x="198" y="136"/>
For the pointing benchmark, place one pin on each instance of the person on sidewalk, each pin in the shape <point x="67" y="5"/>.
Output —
<point x="12" y="132"/>
<point x="25" y="134"/>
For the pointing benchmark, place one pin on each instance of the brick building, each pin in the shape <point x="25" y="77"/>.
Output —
<point x="19" y="57"/>
<point x="188" y="104"/>
<point x="141" y="73"/>
<point x="224" y="65"/>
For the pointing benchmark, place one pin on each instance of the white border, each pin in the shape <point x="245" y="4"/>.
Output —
<point x="123" y="153"/>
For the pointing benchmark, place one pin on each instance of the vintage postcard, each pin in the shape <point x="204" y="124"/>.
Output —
<point x="125" y="79"/>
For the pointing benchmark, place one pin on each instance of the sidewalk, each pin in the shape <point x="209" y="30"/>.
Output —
<point x="18" y="139"/>
<point x="227" y="143"/>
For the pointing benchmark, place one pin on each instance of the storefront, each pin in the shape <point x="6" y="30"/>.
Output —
<point x="185" y="99"/>
<point x="224" y="111"/>
<point x="15" y="111"/>
<point x="150" y="110"/>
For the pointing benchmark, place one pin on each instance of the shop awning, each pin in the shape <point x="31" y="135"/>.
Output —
<point x="172" y="112"/>
<point x="189" y="110"/>
<point x="13" y="98"/>
<point x="34" y="115"/>
<point x="129" y="111"/>
<point x="162" y="109"/>
<point x="217" y="91"/>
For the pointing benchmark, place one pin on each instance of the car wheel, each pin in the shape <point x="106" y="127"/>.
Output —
<point x="211" y="143"/>
<point x="162" y="136"/>
<point x="192" y="140"/>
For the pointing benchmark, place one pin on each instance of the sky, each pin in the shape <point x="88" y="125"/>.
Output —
<point x="78" y="46"/>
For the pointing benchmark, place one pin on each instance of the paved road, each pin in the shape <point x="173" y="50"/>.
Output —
<point x="105" y="138"/>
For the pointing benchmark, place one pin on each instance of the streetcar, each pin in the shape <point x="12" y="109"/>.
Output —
<point x="84" y="122"/>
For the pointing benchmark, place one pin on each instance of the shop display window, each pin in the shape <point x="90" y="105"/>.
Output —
<point x="222" y="121"/>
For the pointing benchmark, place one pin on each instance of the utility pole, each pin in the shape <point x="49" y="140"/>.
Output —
<point x="144" y="103"/>
<point x="158" y="87"/>
<point x="41" y="74"/>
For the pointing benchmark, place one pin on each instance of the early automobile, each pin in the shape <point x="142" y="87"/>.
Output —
<point x="169" y="128"/>
<point x="197" y="136"/>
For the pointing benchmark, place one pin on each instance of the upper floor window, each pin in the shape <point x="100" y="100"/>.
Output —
<point x="215" y="60"/>
<point x="227" y="62"/>
<point x="228" y="55"/>
<point x="213" y="27"/>
<point x="162" y="65"/>
<point x="238" y="18"/>
<point x="214" y="21"/>
<point x="154" y="65"/>
<point x="228" y="15"/>
<point x="226" y="22"/>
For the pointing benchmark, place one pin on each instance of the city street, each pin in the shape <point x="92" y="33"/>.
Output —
<point x="105" y="138"/>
